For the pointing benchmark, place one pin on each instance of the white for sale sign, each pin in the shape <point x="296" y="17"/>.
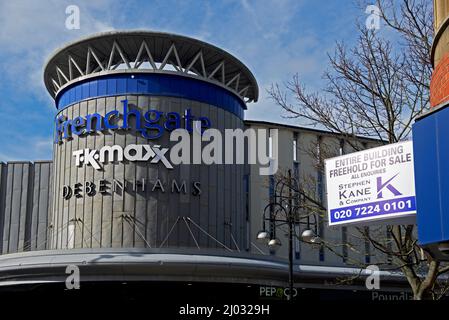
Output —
<point x="372" y="186"/>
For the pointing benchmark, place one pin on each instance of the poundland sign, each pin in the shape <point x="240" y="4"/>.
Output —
<point x="372" y="186"/>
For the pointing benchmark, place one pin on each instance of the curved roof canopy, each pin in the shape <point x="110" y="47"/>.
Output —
<point x="147" y="51"/>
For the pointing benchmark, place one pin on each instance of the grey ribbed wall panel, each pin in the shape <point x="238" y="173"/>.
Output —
<point x="97" y="221"/>
<point x="25" y="199"/>
<point x="41" y="205"/>
<point x="3" y="179"/>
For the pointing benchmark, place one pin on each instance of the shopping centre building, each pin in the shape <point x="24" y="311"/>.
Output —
<point x="132" y="221"/>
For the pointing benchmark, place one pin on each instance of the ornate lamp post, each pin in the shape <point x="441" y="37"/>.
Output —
<point x="285" y="209"/>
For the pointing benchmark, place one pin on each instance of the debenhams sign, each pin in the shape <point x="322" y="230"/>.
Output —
<point x="141" y="186"/>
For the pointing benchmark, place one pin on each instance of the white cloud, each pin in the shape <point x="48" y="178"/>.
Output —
<point x="27" y="149"/>
<point x="31" y="30"/>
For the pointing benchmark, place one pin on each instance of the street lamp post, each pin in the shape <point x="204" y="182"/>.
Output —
<point x="290" y="237"/>
<point x="282" y="211"/>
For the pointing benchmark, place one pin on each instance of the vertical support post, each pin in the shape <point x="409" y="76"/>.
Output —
<point x="290" y="236"/>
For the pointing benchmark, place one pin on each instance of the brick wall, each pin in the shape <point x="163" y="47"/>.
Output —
<point x="439" y="85"/>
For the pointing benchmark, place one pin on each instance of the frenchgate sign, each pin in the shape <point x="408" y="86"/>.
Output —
<point x="372" y="186"/>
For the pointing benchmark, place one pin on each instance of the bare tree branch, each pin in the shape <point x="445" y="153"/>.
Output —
<point x="375" y="89"/>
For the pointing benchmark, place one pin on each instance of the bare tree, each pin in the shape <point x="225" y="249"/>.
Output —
<point x="375" y="89"/>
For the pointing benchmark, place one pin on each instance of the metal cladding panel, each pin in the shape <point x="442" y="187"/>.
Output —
<point x="17" y="209"/>
<point x="40" y="205"/>
<point x="156" y="217"/>
<point x="430" y="140"/>
<point x="309" y="173"/>
<point x="3" y="176"/>
<point x="330" y="147"/>
<point x="24" y="198"/>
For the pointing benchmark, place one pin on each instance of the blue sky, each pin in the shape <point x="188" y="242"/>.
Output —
<point x="275" y="39"/>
